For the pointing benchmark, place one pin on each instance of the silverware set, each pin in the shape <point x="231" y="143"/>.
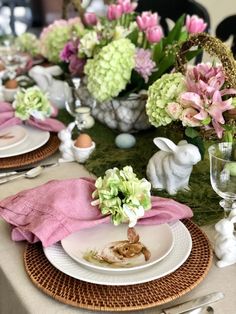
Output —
<point x="29" y="173"/>
<point x="196" y="306"/>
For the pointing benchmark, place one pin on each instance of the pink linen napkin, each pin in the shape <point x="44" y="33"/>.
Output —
<point x="7" y="118"/>
<point x="54" y="210"/>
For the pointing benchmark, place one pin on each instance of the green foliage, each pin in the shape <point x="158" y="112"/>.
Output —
<point x="201" y="198"/>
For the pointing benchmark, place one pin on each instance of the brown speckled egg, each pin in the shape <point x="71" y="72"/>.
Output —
<point x="11" y="84"/>
<point x="83" y="141"/>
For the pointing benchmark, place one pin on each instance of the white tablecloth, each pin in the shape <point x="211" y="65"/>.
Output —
<point x="18" y="295"/>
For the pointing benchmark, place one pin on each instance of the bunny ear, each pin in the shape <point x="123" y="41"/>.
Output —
<point x="165" y="144"/>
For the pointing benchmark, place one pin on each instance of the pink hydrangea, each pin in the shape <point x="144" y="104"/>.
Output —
<point x="143" y="63"/>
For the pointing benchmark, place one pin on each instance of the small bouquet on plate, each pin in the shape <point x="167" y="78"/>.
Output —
<point x="122" y="195"/>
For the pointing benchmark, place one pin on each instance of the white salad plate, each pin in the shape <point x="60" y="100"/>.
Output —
<point x="107" y="240"/>
<point x="35" y="139"/>
<point x="12" y="136"/>
<point x="178" y="255"/>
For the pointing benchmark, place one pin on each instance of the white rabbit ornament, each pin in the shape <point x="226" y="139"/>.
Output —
<point x="59" y="91"/>
<point x="66" y="144"/>
<point x="170" y="168"/>
<point x="225" y="242"/>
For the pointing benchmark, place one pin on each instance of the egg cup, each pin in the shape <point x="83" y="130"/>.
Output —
<point x="9" y="93"/>
<point x="82" y="154"/>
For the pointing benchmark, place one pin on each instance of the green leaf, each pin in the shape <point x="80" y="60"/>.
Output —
<point x="175" y="33"/>
<point x="206" y="121"/>
<point x="158" y="51"/>
<point x="183" y="36"/>
<point x="191" y="132"/>
<point x="164" y="66"/>
<point x="133" y="36"/>
<point x="192" y="54"/>
<point x="197" y="141"/>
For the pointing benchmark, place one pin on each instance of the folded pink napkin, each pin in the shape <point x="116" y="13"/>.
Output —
<point x="8" y="118"/>
<point x="58" y="208"/>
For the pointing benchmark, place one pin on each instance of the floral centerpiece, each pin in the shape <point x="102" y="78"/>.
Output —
<point x="122" y="195"/>
<point x="201" y="99"/>
<point x="117" y="56"/>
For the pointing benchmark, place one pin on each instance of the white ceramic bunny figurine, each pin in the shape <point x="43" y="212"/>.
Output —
<point x="170" y="168"/>
<point x="59" y="91"/>
<point x="225" y="242"/>
<point x="66" y="144"/>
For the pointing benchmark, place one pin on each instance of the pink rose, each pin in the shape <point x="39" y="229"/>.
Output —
<point x="188" y="117"/>
<point x="174" y="110"/>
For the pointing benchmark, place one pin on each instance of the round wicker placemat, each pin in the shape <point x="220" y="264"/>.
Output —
<point x="121" y="298"/>
<point x="32" y="157"/>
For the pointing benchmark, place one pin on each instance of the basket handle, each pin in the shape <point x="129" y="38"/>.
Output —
<point x="215" y="47"/>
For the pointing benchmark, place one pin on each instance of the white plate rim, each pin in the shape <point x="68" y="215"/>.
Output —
<point x="30" y="144"/>
<point x="166" y="227"/>
<point x="16" y="143"/>
<point x="57" y="256"/>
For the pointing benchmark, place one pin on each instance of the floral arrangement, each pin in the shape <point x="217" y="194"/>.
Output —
<point x="120" y="53"/>
<point x="122" y="195"/>
<point x="32" y="102"/>
<point x="199" y="98"/>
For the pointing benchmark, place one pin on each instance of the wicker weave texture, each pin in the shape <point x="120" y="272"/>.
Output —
<point x="32" y="157"/>
<point x="121" y="298"/>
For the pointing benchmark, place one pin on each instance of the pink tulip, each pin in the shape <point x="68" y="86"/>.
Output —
<point x="90" y="18"/>
<point x="147" y="20"/>
<point x="127" y="6"/>
<point x="195" y="24"/>
<point x="154" y="34"/>
<point x="114" y="12"/>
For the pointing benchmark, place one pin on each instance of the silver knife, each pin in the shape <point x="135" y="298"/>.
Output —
<point x="194" y="304"/>
<point x="22" y="170"/>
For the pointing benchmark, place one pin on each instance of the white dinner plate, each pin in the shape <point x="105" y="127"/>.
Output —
<point x="35" y="139"/>
<point x="178" y="255"/>
<point x="12" y="136"/>
<point x="108" y="240"/>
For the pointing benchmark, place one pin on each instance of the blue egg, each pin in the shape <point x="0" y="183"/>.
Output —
<point x="125" y="140"/>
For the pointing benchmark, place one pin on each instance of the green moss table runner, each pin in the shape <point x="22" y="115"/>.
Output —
<point x="201" y="198"/>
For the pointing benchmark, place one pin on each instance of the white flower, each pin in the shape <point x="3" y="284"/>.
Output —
<point x="87" y="43"/>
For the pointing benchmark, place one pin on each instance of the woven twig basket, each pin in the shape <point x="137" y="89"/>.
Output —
<point x="216" y="48"/>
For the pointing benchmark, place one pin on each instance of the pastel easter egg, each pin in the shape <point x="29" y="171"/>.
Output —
<point x="125" y="140"/>
<point x="231" y="167"/>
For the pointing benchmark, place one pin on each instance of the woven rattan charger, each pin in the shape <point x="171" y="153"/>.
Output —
<point x="32" y="157"/>
<point x="121" y="298"/>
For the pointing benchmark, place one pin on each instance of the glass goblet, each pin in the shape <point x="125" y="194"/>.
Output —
<point x="223" y="173"/>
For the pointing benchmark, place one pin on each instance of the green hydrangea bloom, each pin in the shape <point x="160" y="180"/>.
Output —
<point x="122" y="195"/>
<point x="32" y="102"/>
<point x="165" y="90"/>
<point x="53" y="41"/>
<point x="28" y="42"/>
<point x="110" y="70"/>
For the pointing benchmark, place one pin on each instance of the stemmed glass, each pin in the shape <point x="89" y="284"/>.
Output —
<point x="223" y="173"/>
